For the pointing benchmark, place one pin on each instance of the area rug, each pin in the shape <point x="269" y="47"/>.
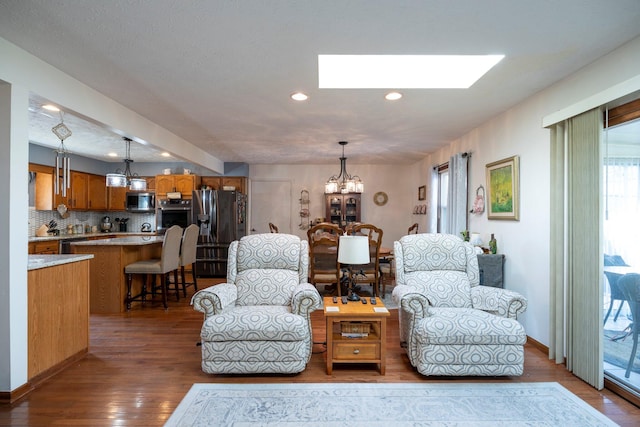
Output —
<point x="380" y="404"/>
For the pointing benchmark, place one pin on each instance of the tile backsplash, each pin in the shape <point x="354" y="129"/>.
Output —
<point x="37" y="218"/>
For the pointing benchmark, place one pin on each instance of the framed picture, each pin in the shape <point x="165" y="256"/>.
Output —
<point x="503" y="185"/>
<point x="422" y="192"/>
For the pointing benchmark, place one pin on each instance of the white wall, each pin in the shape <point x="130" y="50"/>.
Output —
<point x="519" y="131"/>
<point x="394" y="218"/>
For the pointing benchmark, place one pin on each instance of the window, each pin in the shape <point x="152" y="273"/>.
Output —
<point x="443" y="196"/>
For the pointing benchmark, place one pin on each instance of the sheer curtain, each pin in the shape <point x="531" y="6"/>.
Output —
<point x="432" y="225"/>
<point x="457" y="197"/>
<point x="576" y="276"/>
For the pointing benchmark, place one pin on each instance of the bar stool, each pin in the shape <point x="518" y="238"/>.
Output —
<point x="188" y="256"/>
<point x="169" y="262"/>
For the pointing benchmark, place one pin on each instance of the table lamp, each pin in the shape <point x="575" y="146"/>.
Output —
<point x="353" y="250"/>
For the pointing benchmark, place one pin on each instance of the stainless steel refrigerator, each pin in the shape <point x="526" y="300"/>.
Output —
<point x="221" y="216"/>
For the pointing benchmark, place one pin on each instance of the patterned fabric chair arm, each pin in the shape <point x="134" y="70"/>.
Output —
<point x="215" y="299"/>
<point x="306" y="299"/>
<point x="415" y="303"/>
<point x="501" y="302"/>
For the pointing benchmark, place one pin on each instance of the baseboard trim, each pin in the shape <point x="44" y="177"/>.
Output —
<point x="537" y="344"/>
<point x="8" y="397"/>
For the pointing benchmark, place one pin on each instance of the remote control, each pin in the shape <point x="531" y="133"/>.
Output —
<point x="335" y="300"/>
<point x="364" y="300"/>
<point x="373" y="300"/>
<point x="344" y="300"/>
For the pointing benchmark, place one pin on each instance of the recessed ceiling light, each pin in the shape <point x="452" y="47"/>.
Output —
<point x="402" y="71"/>
<point x="165" y="154"/>
<point x="393" y="96"/>
<point x="299" y="96"/>
<point x="50" y="107"/>
<point x="112" y="154"/>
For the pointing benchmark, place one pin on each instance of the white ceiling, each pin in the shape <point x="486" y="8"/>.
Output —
<point x="219" y="73"/>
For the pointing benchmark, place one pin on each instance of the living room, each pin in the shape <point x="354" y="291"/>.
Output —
<point x="518" y="130"/>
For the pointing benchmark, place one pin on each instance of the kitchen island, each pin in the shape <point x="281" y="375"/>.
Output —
<point x="107" y="282"/>
<point x="58" y="312"/>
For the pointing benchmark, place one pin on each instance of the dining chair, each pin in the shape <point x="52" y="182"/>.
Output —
<point x="324" y="268"/>
<point x="169" y="262"/>
<point x="370" y="273"/>
<point x="630" y="286"/>
<point x="413" y="229"/>
<point x="188" y="249"/>
<point x="273" y="228"/>
<point x="615" y="293"/>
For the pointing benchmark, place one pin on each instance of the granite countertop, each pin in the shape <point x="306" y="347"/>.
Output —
<point x="122" y="241"/>
<point x="42" y="261"/>
<point x="86" y="235"/>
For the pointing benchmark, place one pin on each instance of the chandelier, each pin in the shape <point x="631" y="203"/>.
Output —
<point x="63" y="160"/>
<point x="343" y="183"/>
<point x="126" y="178"/>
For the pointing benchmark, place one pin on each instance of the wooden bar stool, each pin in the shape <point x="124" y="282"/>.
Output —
<point x="169" y="262"/>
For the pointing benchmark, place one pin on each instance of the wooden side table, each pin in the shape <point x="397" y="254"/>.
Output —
<point x="356" y="317"/>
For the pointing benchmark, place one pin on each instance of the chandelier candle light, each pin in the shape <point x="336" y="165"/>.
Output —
<point x="343" y="183"/>
<point x="353" y="250"/>
<point x="126" y="178"/>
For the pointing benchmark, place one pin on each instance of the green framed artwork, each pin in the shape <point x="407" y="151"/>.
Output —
<point x="503" y="182"/>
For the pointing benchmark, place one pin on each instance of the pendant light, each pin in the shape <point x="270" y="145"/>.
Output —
<point x="63" y="160"/>
<point x="126" y="178"/>
<point x="343" y="183"/>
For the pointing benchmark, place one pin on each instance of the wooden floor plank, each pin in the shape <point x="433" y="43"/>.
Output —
<point x="141" y="364"/>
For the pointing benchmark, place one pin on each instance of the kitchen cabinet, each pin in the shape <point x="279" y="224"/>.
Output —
<point x="117" y="198"/>
<point x="41" y="187"/>
<point x="183" y="184"/>
<point x="48" y="247"/>
<point x="97" y="193"/>
<point x="79" y="199"/>
<point x="219" y="182"/>
<point x="342" y="209"/>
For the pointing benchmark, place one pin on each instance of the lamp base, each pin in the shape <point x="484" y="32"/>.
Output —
<point x="353" y="296"/>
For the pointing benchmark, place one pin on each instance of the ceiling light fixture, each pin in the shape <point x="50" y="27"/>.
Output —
<point x="299" y="96"/>
<point x="393" y="96"/>
<point x="126" y="178"/>
<point x="63" y="160"/>
<point x="343" y="183"/>
<point x="402" y="71"/>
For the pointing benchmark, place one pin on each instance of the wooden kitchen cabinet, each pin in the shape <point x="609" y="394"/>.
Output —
<point x="48" y="247"/>
<point x="79" y="199"/>
<point x="97" y="193"/>
<point x="184" y="184"/>
<point x="117" y="198"/>
<point x="219" y="182"/>
<point x="41" y="187"/>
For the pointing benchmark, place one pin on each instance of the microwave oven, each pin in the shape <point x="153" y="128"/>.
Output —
<point x="141" y="202"/>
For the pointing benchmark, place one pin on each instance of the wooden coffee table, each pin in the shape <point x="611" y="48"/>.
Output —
<point x="347" y="325"/>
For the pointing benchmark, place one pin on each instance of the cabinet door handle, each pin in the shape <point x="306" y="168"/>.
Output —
<point x="356" y="351"/>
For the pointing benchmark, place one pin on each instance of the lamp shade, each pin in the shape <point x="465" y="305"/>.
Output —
<point x="353" y="250"/>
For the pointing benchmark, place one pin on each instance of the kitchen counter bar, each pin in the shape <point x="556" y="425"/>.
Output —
<point x="43" y="261"/>
<point x="88" y="236"/>
<point x="107" y="283"/>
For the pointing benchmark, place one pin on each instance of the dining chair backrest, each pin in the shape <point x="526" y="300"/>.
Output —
<point x="630" y="286"/>
<point x="273" y="228"/>
<point x="189" y="245"/>
<point x="170" y="258"/>
<point x="324" y="239"/>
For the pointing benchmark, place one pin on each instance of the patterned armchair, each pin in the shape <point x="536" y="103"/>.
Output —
<point x="449" y="324"/>
<point x="259" y="320"/>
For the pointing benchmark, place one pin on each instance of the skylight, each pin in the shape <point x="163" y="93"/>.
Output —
<point x="402" y="71"/>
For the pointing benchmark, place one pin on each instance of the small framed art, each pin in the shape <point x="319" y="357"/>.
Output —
<point x="503" y="182"/>
<point x="422" y="192"/>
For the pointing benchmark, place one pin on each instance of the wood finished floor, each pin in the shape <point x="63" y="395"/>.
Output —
<point x="141" y="364"/>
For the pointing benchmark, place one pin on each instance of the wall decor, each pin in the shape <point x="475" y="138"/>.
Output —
<point x="503" y="182"/>
<point x="422" y="192"/>
<point x="380" y="198"/>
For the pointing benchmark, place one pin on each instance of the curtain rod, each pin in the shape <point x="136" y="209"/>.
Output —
<point x="464" y="154"/>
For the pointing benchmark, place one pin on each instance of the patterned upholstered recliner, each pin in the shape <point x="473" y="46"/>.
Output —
<point x="450" y="324"/>
<point x="258" y="321"/>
